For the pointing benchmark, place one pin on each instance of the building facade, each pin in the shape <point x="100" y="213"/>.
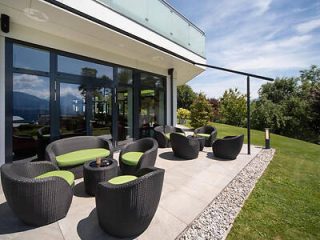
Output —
<point x="88" y="67"/>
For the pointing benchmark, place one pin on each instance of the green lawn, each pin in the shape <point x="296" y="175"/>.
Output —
<point x="285" y="203"/>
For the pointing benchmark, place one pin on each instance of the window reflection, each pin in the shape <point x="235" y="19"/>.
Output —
<point x="30" y="58"/>
<point x="30" y="112"/>
<point x="101" y="123"/>
<point x="152" y="103"/>
<point x="125" y="76"/>
<point x="84" y="68"/>
<point x="125" y="113"/>
<point x="72" y="109"/>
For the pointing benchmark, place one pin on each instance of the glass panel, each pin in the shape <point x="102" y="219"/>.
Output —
<point x="160" y="19"/>
<point x="179" y="30"/>
<point x="30" y="112"/>
<point x="158" y="16"/>
<point x="30" y="58"/>
<point x="125" y="113"/>
<point x="72" y="110"/>
<point x="151" y="81"/>
<point x="101" y="122"/>
<point x="84" y="68"/>
<point x="125" y="76"/>
<point x="152" y="104"/>
<point x="196" y="43"/>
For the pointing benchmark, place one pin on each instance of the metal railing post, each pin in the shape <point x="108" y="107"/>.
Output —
<point x="248" y="115"/>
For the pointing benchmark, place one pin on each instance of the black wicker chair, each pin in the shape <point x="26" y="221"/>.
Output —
<point x="160" y="135"/>
<point x="71" y="144"/>
<point x="43" y="135"/>
<point x="228" y="148"/>
<point x="148" y="146"/>
<point x="36" y="202"/>
<point x="212" y="131"/>
<point x="184" y="147"/>
<point x="126" y="210"/>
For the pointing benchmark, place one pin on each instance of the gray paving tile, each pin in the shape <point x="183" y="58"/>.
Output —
<point x="189" y="186"/>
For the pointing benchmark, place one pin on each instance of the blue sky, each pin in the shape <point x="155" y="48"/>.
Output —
<point x="274" y="38"/>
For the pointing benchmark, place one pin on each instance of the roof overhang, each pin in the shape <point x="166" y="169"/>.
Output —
<point x="132" y="50"/>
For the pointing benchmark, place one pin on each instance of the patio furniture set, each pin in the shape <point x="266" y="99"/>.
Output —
<point x="41" y="192"/>
<point x="188" y="147"/>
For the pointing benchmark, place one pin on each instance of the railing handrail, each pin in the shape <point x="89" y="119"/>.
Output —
<point x="235" y="71"/>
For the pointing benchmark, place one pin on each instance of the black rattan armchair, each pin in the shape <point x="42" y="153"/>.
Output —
<point x="126" y="210"/>
<point x="207" y="130"/>
<point x="71" y="144"/>
<point x="148" y="146"/>
<point x="43" y="135"/>
<point x="228" y="148"/>
<point x="160" y="135"/>
<point x="184" y="147"/>
<point x="36" y="202"/>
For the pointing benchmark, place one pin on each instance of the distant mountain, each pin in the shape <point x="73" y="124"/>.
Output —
<point x="29" y="107"/>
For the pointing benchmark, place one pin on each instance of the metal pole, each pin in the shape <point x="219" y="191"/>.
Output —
<point x="248" y="114"/>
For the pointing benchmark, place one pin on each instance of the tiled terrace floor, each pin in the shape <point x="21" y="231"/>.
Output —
<point x="189" y="186"/>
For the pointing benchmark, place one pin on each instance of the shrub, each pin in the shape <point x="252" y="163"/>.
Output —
<point x="200" y="111"/>
<point x="182" y="115"/>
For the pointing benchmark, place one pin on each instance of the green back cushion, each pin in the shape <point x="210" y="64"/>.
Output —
<point x="81" y="156"/>
<point x="122" y="179"/>
<point x="66" y="175"/>
<point x="205" y="135"/>
<point x="168" y="134"/>
<point x="131" y="158"/>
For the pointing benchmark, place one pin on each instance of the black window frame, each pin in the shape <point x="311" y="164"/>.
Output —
<point x="54" y="75"/>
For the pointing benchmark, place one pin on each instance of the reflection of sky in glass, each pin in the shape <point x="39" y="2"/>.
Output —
<point x="30" y="97"/>
<point x="71" y="100"/>
<point x="30" y="58"/>
<point x="33" y="85"/>
<point x="75" y="66"/>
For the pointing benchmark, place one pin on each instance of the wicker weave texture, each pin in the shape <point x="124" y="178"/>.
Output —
<point x="126" y="210"/>
<point x="148" y="146"/>
<point x="184" y="147"/>
<point x="36" y="202"/>
<point x="228" y="148"/>
<point x="159" y="134"/>
<point x="71" y="144"/>
<point x="208" y="130"/>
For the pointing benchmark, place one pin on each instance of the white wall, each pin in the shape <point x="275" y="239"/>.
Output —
<point x="2" y="100"/>
<point x="174" y="100"/>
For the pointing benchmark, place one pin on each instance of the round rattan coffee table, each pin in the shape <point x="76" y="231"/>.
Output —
<point x="94" y="174"/>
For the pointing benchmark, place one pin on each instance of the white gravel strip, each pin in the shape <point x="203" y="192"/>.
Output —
<point x="216" y="220"/>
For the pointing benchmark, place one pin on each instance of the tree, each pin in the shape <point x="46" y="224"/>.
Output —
<point x="233" y="108"/>
<point x="185" y="96"/>
<point x="290" y="106"/>
<point x="215" y="109"/>
<point x="200" y="111"/>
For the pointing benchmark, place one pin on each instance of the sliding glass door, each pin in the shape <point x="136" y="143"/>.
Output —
<point x="53" y="95"/>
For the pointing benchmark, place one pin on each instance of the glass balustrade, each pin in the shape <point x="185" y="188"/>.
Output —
<point x="159" y="16"/>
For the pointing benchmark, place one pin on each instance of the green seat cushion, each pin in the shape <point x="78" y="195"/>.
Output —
<point x="122" y="179"/>
<point x="66" y="175"/>
<point x="168" y="134"/>
<point x="131" y="158"/>
<point x="81" y="156"/>
<point x="205" y="135"/>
